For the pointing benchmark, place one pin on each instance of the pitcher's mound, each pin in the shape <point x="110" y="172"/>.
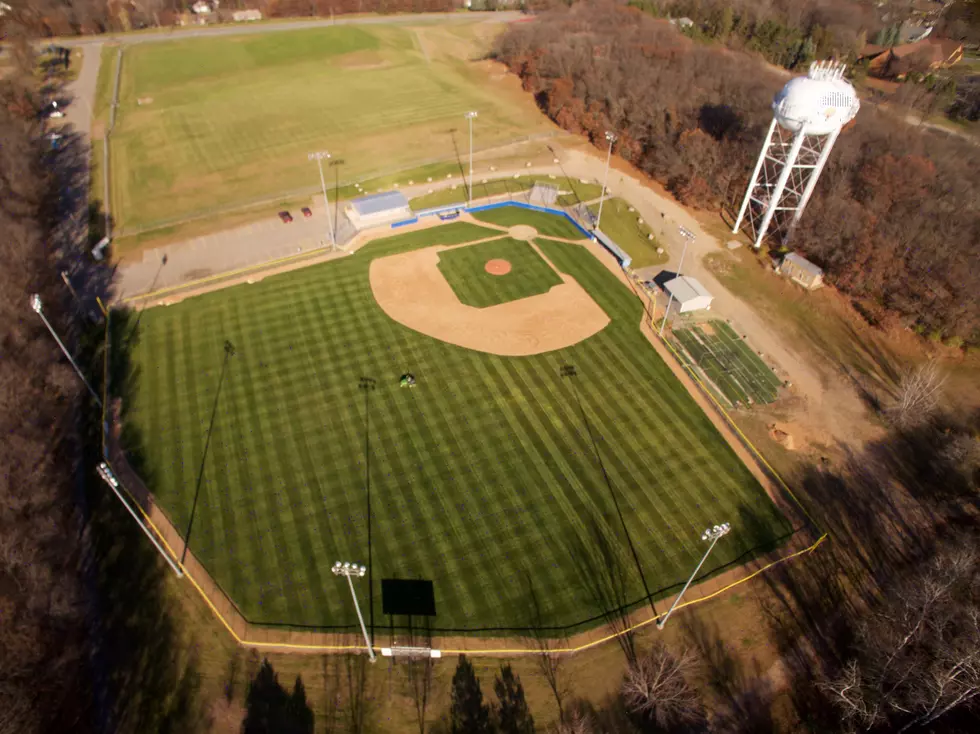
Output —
<point x="497" y="267"/>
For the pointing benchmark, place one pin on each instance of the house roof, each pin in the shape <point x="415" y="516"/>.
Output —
<point x="686" y="289"/>
<point x="377" y="203"/>
<point x="803" y="264"/>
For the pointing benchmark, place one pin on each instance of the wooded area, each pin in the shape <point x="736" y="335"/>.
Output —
<point x="45" y="18"/>
<point x="41" y="595"/>
<point x="894" y="220"/>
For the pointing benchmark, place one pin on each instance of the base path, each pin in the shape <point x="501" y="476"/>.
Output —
<point x="411" y="289"/>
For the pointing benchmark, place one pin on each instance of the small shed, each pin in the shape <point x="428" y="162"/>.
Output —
<point x="800" y="270"/>
<point x="689" y="294"/>
<point x="378" y="209"/>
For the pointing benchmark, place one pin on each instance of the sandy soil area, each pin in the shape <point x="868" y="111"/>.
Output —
<point x="410" y="288"/>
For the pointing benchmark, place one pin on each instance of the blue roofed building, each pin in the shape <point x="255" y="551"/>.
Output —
<point x="378" y="209"/>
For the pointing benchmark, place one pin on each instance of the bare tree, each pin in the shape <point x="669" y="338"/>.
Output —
<point x="419" y="671"/>
<point x="918" y="656"/>
<point x="576" y="722"/>
<point x="656" y="686"/>
<point x="547" y="643"/>
<point x="919" y="392"/>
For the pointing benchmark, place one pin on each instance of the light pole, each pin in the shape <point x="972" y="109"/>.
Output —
<point x="39" y="310"/>
<point x="349" y="570"/>
<point x="688" y="238"/>
<point x="470" y="117"/>
<point x="611" y="137"/>
<point x="318" y="157"/>
<point x="714" y="534"/>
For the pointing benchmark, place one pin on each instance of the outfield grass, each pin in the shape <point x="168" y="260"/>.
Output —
<point x="622" y="226"/>
<point x="548" y="225"/>
<point x="729" y="363"/>
<point x="492" y="476"/>
<point x="463" y="268"/>
<point x="230" y="120"/>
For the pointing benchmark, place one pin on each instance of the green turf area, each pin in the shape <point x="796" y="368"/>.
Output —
<point x="216" y="122"/>
<point x="549" y="225"/>
<point x="463" y="268"/>
<point x="622" y="226"/>
<point x="500" y="479"/>
<point x="577" y="191"/>
<point x="728" y="362"/>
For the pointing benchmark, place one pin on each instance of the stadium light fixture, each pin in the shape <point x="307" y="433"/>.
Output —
<point x="350" y="570"/>
<point x="688" y="236"/>
<point x="318" y="156"/>
<point x="714" y="534"/>
<point x="611" y="137"/>
<point x="470" y="116"/>
<point x="38" y="307"/>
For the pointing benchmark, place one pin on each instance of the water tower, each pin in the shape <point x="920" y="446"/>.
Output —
<point x="808" y="114"/>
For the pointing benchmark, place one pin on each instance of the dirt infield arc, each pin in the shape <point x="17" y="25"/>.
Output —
<point x="411" y="290"/>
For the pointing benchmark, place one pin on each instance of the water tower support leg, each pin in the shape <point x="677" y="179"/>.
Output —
<point x="777" y="192"/>
<point x="811" y="183"/>
<point x="755" y="176"/>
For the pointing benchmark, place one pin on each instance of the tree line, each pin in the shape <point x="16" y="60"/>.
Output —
<point x="45" y="18"/>
<point x="894" y="220"/>
<point x="43" y="681"/>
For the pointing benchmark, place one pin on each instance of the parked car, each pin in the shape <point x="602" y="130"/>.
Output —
<point x="286" y="217"/>
<point x="307" y="212"/>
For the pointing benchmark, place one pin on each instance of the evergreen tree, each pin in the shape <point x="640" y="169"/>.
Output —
<point x="468" y="714"/>
<point x="513" y="715"/>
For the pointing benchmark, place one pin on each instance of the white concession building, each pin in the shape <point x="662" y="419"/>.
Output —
<point x="689" y="294"/>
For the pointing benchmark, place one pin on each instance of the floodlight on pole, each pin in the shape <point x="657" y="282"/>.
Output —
<point x="611" y="137"/>
<point x="714" y="534"/>
<point x="39" y="310"/>
<point x="318" y="157"/>
<point x="688" y="236"/>
<point x="470" y="116"/>
<point x="349" y="570"/>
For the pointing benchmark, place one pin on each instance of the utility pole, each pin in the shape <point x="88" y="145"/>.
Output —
<point x="349" y="570"/>
<point x="611" y="137"/>
<point x="318" y="157"/>
<point x="39" y="310"/>
<point x="688" y="238"/>
<point x="470" y="116"/>
<point x="714" y="535"/>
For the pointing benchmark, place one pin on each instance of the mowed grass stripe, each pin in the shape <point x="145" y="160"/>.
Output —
<point x="482" y="474"/>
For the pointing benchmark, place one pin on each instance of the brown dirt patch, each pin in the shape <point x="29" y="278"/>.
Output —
<point x="497" y="266"/>
<point x="410" y="288"/>
<point x="522" y="232"/>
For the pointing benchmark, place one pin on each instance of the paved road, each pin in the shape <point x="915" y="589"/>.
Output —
<point x="237" y="29"/>
<point x="82" y="90"/>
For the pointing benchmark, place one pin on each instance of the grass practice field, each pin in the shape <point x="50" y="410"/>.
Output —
<point x="624" y="228"/>
<point x="206" y="123"/>
<point x="536" y="491"/>
<point x="729" y="363"/>
<point x="464" y="270"/>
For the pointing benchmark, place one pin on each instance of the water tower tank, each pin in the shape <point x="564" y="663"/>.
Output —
<point x="818" y="103"/>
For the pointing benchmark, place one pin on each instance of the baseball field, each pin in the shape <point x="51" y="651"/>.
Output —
<point x="540" y="490"/>
<point x="211" y="123"/>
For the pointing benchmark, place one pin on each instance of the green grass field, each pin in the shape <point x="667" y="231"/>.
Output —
<point x="500" y="479"/>
<point x="463" y="268"/>
<point x="728" y="362"/>
<point x="218" y="122"/>
<point x="621" y="224"/>
<point x="514" y="187"/>
<point x="548" y="225"/>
